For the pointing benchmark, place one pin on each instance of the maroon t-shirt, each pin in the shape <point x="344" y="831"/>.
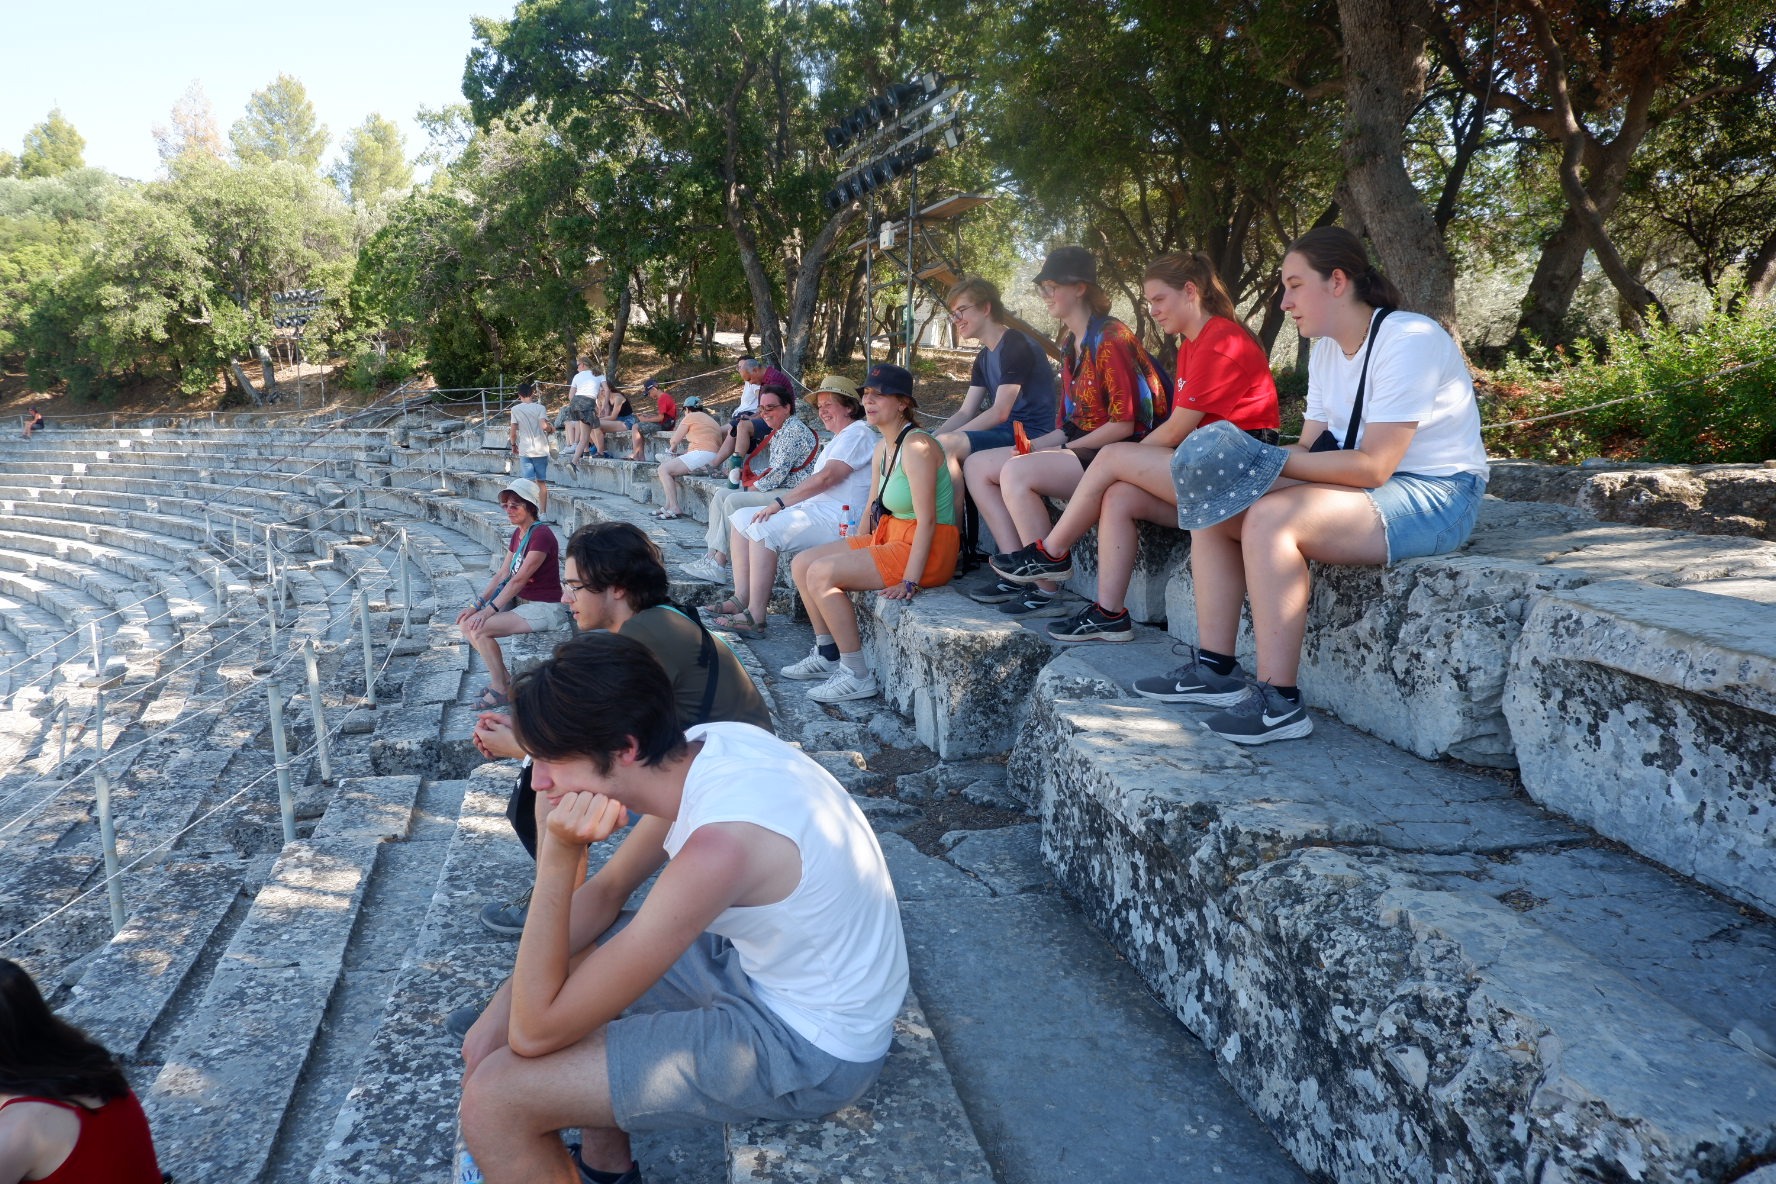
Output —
<point x="545" y="585"/>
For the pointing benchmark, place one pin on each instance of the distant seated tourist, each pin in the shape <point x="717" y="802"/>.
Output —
<point x="759" y="978"/>
<point x="616" y="580"/>
<point x="664" y="416"/>
<point x="1223" y="374"/>
<point x="33" y="420"/>
<point x="782" y="460"/>
<point x="814" y="512"/>
<point x="524" y="595"/>
<point x="615" y="414"/>
<point x="67" y="1115"/>
<point x="744" y="425"/>
<point x="1390" y="466"/>
<point x="912" y="543"/>
<point x="692" y="448"/>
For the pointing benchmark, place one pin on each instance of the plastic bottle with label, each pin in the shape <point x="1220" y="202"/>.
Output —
<point x="844" y="522"/>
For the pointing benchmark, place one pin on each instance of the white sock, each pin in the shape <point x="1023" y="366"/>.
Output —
<point x="821" y="639"/>
<point x="855" y="663"/>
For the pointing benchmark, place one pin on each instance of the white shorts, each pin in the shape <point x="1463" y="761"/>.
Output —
<point x="698" y="460"/>
<point x="808" y="524"/>
<point x="542" y="616"/>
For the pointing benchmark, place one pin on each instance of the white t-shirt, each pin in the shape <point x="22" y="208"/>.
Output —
<point x="855" y="445"/>
<point x="1418" y="376"/>
<point x="531" y="439"/>
<point x="585" y="385"/>
<point x="749" y="398"/>
<point x="829" y="958"/>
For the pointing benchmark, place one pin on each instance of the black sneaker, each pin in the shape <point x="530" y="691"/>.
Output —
<point x="1032" y="602"/>
<point x="507" y="919"/>
<point x="458" y="1022"/>
<point x="1194" y="682"/>
<point x="996" y="592"/>
<point x="1092" y="623"/>
<point x="1026" y="565"/>
<point x="588" y="1176"/>
<point x="1261" y="715"/>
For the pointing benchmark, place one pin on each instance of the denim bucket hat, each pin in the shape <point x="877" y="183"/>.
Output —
<point x="1219" y="471"/>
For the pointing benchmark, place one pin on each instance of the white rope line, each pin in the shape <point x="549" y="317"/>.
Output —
<point x="233" y="639"/>
<point x="1658" y="390"/>
<point x="332" y="733"/>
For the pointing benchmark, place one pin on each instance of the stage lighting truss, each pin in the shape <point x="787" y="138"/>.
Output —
<point x="896" y="160"/>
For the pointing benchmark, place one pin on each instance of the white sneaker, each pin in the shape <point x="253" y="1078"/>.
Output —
<point x="845" y="685"/>
<point x="811" y="667"/>
<point x="707" y="569"/>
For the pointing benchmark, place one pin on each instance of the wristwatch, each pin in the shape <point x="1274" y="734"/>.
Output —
<point x="780" y="504"/>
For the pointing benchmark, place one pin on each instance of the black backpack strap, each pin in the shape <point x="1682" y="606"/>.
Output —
<point x="1356" y="419"/>
<point x="708" y="659"/>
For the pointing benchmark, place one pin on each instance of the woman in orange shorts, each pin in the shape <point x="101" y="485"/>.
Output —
<point x="914" y="544"/>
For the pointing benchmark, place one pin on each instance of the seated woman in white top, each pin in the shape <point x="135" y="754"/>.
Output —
<point x="1401" y="476"/>
<point x="810" y="514"/>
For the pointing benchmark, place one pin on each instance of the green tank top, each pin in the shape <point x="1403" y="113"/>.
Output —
<point x="898" y="495"/>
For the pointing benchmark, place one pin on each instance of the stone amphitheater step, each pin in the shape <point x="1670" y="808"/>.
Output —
<point x="1406" y="968"/>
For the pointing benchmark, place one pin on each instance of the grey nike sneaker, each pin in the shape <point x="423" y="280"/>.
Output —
<point x="1261" y="715"/>
<point x="1194" y="682"/>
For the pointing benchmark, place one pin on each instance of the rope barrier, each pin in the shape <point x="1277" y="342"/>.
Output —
<point x="1658" y="390"/>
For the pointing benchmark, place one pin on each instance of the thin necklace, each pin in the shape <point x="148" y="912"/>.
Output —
<point x="1350" y="354"/>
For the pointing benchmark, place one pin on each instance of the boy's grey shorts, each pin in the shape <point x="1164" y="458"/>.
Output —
<point x="699" y="1047"/>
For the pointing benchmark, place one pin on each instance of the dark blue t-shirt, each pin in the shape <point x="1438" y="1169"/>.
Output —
<point x="1018" y="360"/>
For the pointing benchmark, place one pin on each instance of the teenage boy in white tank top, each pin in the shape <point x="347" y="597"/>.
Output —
<point x="760" y="977"/>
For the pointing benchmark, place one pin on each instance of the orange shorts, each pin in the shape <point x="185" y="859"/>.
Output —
<point x="892" y="545"/>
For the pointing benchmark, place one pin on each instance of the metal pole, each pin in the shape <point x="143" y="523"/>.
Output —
<point x="221" y="590"/>
<point x="271" y="595"/>
<point x="441" y="484"/>
<point x="280" y="751"/>
<point x="406" y="590"/>
<point x="99" y="723"/>
<point x="62" y="754"/>
<point x="912" y="262"/>
<point x="108" y="840"/>
<point x="315" y="711"/>
<point x="869" y="290"/>
<point x="369" y="660"/>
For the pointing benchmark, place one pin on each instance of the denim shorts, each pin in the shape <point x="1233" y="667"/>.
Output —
<point x="534" y="467"/>
<point x="1427" y="515"/>
<point x="999" y="437"/>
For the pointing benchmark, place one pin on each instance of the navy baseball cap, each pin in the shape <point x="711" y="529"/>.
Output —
<point x="1069" y="265"/>
<point x="891" y="380"/>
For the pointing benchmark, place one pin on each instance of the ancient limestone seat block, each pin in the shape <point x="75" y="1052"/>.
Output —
<point x="1649" y="714"/>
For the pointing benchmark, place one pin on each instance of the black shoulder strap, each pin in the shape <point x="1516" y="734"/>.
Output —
<point x="1356" y="419"/>
<point x="709" y="660"/>
<point x="888" y="472"/>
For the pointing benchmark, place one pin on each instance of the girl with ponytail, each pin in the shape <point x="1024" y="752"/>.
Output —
<point x="1223" y="374"/>
<point x="1390" y="466"/>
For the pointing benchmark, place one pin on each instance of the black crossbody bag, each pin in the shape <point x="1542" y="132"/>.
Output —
<point x="877" y="509"/>
<point x="1327" y="441"/>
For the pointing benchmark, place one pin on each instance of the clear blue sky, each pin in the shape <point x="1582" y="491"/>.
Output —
<point x="115" y="67"/>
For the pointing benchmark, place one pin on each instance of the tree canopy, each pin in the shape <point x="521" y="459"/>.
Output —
<point x="280" y="125"/>
<point x="52" y="148"/>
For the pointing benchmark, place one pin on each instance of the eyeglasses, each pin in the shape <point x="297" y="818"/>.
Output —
<point x="772" y="407"/>
<point x="576" y="587"/>
<point x="961" y="310"/>
<point x="1047" y="290"/>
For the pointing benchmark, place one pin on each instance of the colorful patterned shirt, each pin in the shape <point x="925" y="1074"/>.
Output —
<point x="1112" y="379"/>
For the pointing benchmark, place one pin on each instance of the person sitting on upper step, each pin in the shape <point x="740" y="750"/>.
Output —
<point x="1390" y="466"/>
<point x="911" y="543"/>
<point x="699" y="434"/>
<point x="1223" y="374"/>
<point x="524" y="594"/>
<point x="789" y="450"/>
<point x="1113" y="393"/>
<point x="759" y="979"/>
<point x="66" y="1112"/>
<point x="819" y="510"/>
<point x="616" y="581"/>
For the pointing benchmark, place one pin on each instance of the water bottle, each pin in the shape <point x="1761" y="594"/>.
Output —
<point x="844" y="521"/>
<point x="467" y="1171"/>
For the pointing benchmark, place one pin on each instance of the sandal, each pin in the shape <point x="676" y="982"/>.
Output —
<point x="739" y="624"/>
<point x="492" y="700"/>
<point x="667" y="516"/>
<point x="727" y="608"/>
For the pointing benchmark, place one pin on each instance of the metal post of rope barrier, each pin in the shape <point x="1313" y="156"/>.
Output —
<point x="99" y="724"/>
<point x="316" y="712"/>
<point x="280" y="751"/>
<point x="98" y="645"/>
<point x="108" y="840"/>
<point x="62" y="752"/>
<point x="221" y="591"/>
<point x="441" y="483"/>
<point x="369" y="659"/>
<point x="271" y="605"/>
<point x="406" y="590"/>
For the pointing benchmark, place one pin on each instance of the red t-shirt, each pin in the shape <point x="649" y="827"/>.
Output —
<point x="545" y="583"/>
<point x="1225" y="375"/>
<point x="114" y="1146"/>
<point x="667" y="406"/>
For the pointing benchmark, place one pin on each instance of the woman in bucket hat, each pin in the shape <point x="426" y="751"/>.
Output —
<point x="1390" y="466"/>
<point x="1223" y="374"/>
<point x="912" y="544"/>
<point x="524" y="594"/>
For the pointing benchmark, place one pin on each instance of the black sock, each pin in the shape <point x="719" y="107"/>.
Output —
<point x="597" y="1177"/>
<point x="830" y="651"/>
<point x="1292" y="694"/>
<point x="1219" y="663"/>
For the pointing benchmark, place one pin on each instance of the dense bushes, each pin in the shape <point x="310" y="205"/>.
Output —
<point x="1697" y="394"/>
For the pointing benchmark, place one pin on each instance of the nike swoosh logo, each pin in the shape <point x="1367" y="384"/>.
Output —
<point x="1271" y="721"/>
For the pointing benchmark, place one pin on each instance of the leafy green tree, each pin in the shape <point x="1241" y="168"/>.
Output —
<point x="45" y="225"/>
<point x="373" y="163"/>
<point x="280" y="125"/>
<point x="8" y="165"/>
<point x="52" y="147"/>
